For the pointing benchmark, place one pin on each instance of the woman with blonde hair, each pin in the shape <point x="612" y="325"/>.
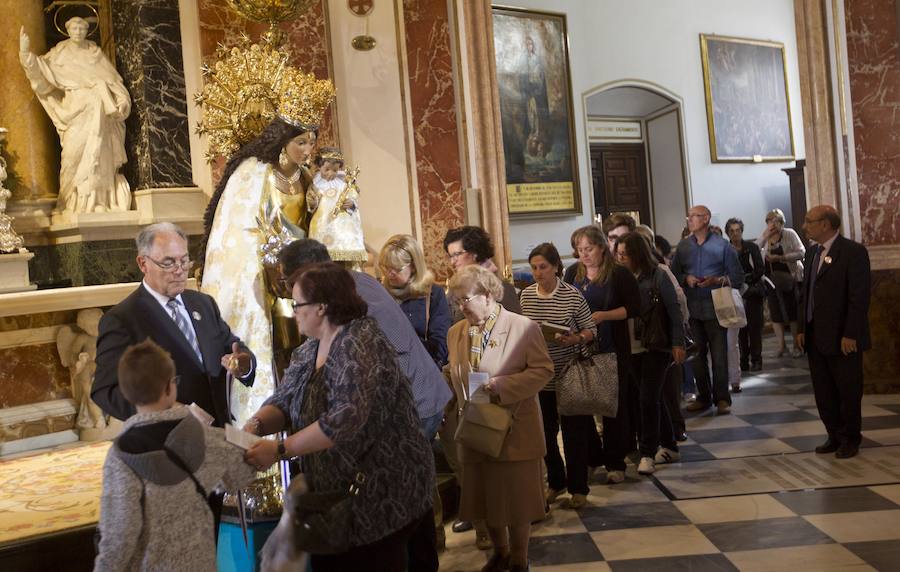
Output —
<point x="783" y="252"/>
<point x="506" y="491"/>
<point x="406" y="277"/>
<point x="612" y="295"/>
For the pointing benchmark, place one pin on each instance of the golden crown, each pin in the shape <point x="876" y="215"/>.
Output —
<point x="331" y="154"/>
<point x="248" y="87"/>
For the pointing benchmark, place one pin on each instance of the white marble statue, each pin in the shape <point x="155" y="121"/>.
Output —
<point x="84" y="96"/>
<point x="77" y="347"/>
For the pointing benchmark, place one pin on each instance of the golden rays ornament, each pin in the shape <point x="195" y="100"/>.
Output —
<point x="250" y="85"/>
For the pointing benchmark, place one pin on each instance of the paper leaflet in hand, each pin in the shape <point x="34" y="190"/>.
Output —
<point x="240" y="438"/>
<point x="477" y="381"/>
<point x="201" y="415"/>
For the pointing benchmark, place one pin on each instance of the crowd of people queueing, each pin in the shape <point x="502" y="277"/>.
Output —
<point x="387" y="368"/>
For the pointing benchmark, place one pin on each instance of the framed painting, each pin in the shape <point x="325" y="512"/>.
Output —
<point x="748" y="110"/>
<point x="532" y="59"/>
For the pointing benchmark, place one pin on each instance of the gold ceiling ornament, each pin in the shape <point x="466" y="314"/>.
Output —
<point x="247" y="87"/>
<point x="271" y="12"/>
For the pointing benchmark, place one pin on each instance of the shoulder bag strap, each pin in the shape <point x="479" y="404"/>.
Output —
<point x="183" y="466"/>
<point x="427" y="312"/>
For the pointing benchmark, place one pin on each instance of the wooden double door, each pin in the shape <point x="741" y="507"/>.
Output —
<point x="619" y="176"/>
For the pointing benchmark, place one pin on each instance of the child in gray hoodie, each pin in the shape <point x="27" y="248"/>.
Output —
<point x="158" y="474"/>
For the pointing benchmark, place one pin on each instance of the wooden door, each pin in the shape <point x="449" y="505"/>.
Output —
<point x="620" y="180"/>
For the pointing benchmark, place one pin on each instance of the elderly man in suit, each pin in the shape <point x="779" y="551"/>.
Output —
<point x="834" y="327"/>
<point x="185" y="323"/>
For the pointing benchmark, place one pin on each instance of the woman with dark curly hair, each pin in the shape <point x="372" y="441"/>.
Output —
<point x="266" y="179"/>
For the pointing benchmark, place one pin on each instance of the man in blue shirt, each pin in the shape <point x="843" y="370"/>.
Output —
<point x="705" y="261"/>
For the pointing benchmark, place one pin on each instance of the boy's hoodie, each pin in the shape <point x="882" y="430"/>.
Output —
<point x="152" y="515"/>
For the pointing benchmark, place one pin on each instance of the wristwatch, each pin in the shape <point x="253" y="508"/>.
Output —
<point x="282" y="452"/>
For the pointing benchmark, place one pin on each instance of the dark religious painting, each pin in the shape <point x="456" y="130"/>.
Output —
<point x="747" y="104"/>
<point x="531" y="51"/>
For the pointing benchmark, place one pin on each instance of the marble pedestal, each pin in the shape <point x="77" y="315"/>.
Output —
<point x="14" y="272"/>
<point x="87" y="249"/>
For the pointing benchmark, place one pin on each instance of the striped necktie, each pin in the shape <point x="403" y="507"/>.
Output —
<point x="811" y="293"/>
<point x="185" y="328"/>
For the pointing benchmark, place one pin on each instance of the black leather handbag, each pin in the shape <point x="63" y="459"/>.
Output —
<point x="656" y="329"/>
<point x="322" y="520"/>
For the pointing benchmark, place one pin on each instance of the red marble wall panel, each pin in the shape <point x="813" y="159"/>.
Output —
<point x="307" y="38"/>
<point x="32" y="374"/>
<point x="436" y="137"/>
<point x="874" y="68"/>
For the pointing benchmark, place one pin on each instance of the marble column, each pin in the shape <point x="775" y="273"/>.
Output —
<point x="817" y="101"/>
<point x="147" y="35"/>
<point x="487" y="171"/>
<point x="32" y="151"/>
<point x="429" y="58"/>
<point x="873" y="62"/>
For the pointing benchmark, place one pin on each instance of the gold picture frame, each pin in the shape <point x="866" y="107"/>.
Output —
<point x="531" y="52"/>
<point x="748" y="107"/>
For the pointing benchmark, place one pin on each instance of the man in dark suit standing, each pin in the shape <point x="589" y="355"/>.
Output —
<point x="185" y="323"/>
<point x="834" y="327"/>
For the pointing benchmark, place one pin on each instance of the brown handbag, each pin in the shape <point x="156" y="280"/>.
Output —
<point x="482" y="427"/>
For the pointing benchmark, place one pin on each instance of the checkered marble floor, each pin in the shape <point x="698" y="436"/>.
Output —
<point x="748" y="494"/>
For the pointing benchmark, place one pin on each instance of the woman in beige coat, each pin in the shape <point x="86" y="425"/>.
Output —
<point x="507" y="491"/>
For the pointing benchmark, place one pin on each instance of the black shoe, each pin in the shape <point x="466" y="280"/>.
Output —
<point x="846" y="451"/>
<point x="462" y="526"/>
<point x="681" y="437"/>
<point x="756" y="366"/>
<point x="519" y="568"/>
<point x="829" y="446"/>
<point x="496" y="563"/>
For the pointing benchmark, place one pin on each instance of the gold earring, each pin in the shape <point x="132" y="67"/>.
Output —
<point x="283" y="159"/>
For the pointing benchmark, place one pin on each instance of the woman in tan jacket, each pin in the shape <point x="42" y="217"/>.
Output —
<point x="507" y="491"/>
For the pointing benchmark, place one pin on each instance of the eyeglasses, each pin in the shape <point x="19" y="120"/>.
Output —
<point x="690" y="216"/>
<point x="298" y="305"/>
<point x="395" y="270"/>
<point x="455" y="255"/>
<point x="170" y="265"/>
<point x="810" y="221"/>
<point x="176" y="380"/>
<point x="465" y="301"/>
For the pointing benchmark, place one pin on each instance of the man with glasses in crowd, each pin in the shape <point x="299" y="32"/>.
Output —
<point x="705" y="261"/>
<point x="185" y="323"/>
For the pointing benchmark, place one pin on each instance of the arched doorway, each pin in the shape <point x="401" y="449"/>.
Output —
<point x="637" y="156"/>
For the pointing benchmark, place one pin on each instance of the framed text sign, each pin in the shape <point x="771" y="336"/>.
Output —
<point x="747" y="106"/>
<point x="532" y="58"/>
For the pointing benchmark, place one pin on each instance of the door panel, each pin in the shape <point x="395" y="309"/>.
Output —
<point x="620" y="180"/>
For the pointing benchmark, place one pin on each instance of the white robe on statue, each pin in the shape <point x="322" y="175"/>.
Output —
<point x="233" y="274"/>
<point x="87" y="101"/>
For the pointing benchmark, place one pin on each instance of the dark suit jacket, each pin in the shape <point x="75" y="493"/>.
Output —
<point x="841" y="299"/>
<point x="139" y="316"/>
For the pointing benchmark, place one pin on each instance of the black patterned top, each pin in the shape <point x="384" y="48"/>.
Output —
<point x="364" y="404"/>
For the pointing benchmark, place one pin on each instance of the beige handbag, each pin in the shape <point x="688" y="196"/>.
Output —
<point x="482" y="427"/>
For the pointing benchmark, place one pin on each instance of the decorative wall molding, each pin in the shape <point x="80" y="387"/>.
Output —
<point x="885" y="257"/>
<point x="75" y="298"/>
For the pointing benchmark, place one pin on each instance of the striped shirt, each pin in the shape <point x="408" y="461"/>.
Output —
<point x="564" y="307"/>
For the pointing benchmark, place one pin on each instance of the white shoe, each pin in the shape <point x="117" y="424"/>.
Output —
<point x="647" y="466"/>
<point x="615" y="477"/>
<point x="665" y="455"/>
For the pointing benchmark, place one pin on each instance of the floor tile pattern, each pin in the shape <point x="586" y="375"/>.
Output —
<point x="748" y="494"/>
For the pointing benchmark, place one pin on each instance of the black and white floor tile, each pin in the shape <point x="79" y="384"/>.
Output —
<point x="748" y="494"/>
